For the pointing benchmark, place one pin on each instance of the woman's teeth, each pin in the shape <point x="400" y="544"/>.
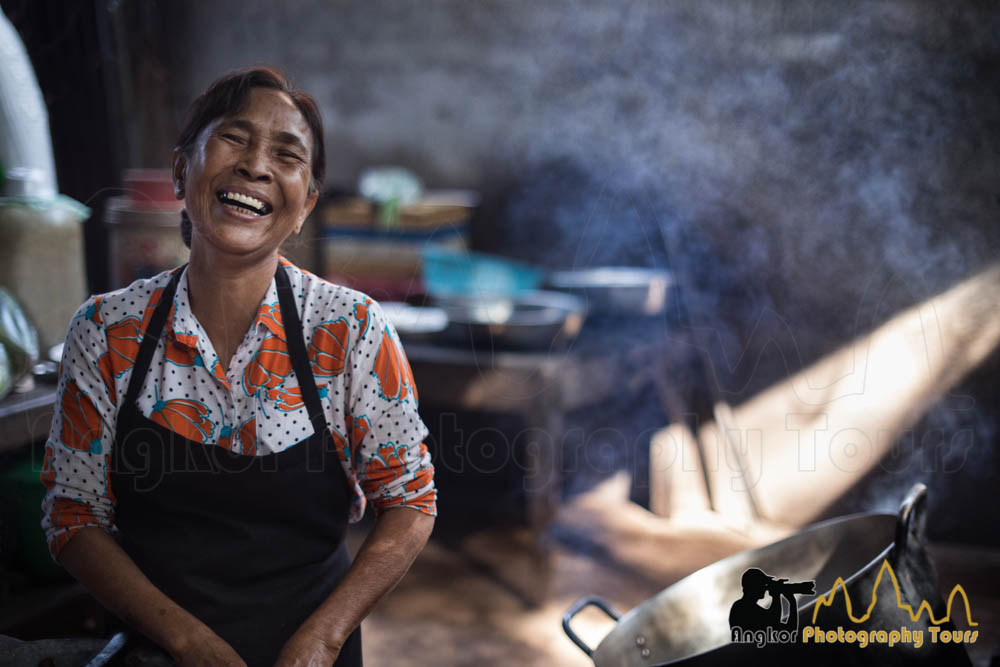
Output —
<point x="243" y="203"/>
<point x="242" y="209"/>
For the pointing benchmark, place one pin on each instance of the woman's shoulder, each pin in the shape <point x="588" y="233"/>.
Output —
<point x="344" y="314"/>
<point x="120" y="304"/>
<point x="328" y="298"/>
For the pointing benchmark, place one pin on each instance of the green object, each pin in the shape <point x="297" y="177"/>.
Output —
<point x="21" y="491"/>
<point x="390" y="189"/>
<point x="388" y="213"/>
<point x="17" y="335"/>
<point x="6" y="376"/>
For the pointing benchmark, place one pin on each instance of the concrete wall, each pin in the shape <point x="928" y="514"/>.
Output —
<point x="807" y="169"/>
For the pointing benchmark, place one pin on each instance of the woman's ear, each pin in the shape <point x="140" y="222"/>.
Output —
<point x="307" y="209"/>
<point x="178" y="166"/>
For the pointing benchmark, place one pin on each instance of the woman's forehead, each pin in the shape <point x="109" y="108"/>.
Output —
<point x="269" y="111"/>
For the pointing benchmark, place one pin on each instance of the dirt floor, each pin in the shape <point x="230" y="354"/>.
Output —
<point x="490" y="599"/>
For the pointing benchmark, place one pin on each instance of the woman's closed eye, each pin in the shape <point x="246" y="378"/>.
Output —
<point x="234" y="138"/>
<point x="290" y="155"/>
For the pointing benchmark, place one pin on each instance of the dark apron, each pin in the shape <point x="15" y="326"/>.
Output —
<point x="251" y="545"/>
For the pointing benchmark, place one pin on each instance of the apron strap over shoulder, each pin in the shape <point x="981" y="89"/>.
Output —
<point x="151" y="337"/>
<point x="297" y="350"/>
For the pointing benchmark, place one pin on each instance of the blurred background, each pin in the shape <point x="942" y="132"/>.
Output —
<point x="814" y="183"/>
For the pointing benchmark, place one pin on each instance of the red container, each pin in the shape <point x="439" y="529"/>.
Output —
<point x="151" y="188"/>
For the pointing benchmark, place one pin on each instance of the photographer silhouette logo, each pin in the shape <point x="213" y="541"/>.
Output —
<point x="751" y="623"/>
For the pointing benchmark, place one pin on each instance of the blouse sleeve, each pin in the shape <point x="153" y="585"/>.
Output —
<point x="392" y="463"/>
<point x="78" y="451"/>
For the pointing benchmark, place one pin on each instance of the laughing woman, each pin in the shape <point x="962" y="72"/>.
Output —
<point x="220" y="424"/>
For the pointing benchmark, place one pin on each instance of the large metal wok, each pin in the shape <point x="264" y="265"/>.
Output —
<point x="688" y="622"/>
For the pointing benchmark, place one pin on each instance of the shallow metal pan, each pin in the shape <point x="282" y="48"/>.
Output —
<point x="531" y="320"/>
<point x="615" y="290"/>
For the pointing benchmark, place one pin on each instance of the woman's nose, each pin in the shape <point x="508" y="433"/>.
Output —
<point x="253" y="164"/>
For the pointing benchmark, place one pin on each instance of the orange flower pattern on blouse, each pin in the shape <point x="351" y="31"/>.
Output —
<point x="70" y="515"/>
<point x="340" y="443"/>
<point x="269" y="366"/>
<point x="381" y="468"/>
<point x="328" y="348"/>
<point x="361" y="315"/>
<point x="247" y="435"/>
<point x="93" y="312"/>
<point x="422" y="479"/>
<point x="289" y="400"/>
<point x="269" y="314"/>
<point x="185" y="417"/>
<point x="364" y="381"/>
<point x="48" y="468"/>
<point x="385" y="467"/>
<point x="124" y="338"/>
<point x="82" y="425"/>
<point x="357" y="429"/>
<point x="107" y="374"/>
<point x="154" y="299"/>
<point x="182" y="355"/>
<point x="220" y="374"/>
<point x="393" y="371"/>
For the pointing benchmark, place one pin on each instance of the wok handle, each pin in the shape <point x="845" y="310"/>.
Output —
<point x="911" y="519"/>
<point x="579" y="606"/>
<point x="109" y="651"/>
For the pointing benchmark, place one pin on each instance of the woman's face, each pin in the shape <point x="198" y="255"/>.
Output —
<point x="246" y="182"/>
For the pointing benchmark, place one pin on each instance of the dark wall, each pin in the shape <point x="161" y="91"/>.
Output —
<point x="806" y="169"/>
<point x="790" y="156"/>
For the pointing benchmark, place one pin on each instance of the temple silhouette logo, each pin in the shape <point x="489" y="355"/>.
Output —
<point x="751" y="622"/>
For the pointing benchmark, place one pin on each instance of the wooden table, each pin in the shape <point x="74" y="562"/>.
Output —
<point x="539" y="387"/>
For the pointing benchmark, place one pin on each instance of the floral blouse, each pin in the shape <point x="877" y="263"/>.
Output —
<point x="254" y="407"/>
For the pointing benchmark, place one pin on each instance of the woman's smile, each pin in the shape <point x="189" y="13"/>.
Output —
<point x="243" y="203"/>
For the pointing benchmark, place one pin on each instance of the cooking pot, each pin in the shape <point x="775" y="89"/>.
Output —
<point x="615" y="290"/>
<point x="688" y="623"/>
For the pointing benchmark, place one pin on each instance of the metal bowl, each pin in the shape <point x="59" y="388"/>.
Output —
<point x="415" y="322"/>
<point x="534" y="320"/>
<point x="611" y="290"/>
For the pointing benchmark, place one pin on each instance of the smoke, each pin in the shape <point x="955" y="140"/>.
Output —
<point x="805" y="169"/>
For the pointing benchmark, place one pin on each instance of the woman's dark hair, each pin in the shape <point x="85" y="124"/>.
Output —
<point x="230" y="94"/>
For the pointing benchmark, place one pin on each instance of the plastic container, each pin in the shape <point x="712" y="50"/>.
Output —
<point x="25" y="143"/>
<point x="41" y="260"/>
<point x="144" y="239"/>
<point x="450" y="272"/>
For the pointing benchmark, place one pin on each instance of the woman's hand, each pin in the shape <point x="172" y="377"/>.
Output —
<point x="110" y="575"/>
<point x="307" y="648"/>
<point x="205" y="650"/>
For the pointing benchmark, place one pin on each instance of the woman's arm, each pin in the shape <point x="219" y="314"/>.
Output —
<point x="383" y="559"/>
<point x="113" y="578"/>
